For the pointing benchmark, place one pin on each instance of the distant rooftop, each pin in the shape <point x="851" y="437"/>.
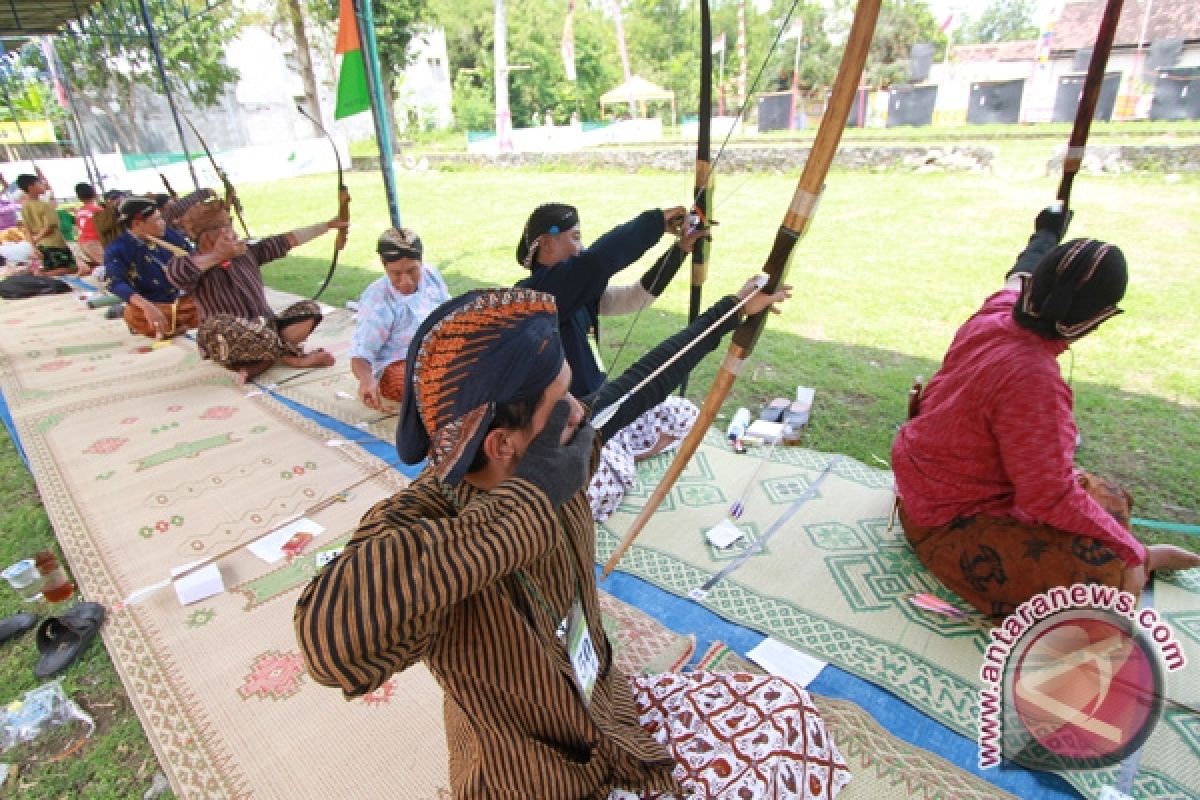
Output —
<point x="1169" y="19"/>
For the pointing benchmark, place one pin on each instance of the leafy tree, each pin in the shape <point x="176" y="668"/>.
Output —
<point x="663" y="38"/>
<point x="534" y="40"/>
<point x="1002" y="21"/>
<point x="397" y="22"/>
<point x="111" y="60"/>
<point x="27" y="88"/>
<point x="665" y="47"/>
<point x="902" y="23"/>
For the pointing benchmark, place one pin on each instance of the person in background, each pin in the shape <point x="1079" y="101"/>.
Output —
<point x="238" y="329"/>
<point x="91" y="251"/>
<point x="551" y="248"/>
<point x="389" y="311"/>
<point x="483" y="568"/>
<point x="41" y="220"/>
<point x="135" y="268"/>
<point x="988" y="491"/>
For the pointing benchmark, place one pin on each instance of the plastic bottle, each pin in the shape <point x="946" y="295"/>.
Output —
<point x="738" y="425"/>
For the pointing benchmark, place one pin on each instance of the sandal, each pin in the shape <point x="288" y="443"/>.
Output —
<point x="11" y="627"/>
<point x="773" y="411"/>
<point x="61" y="640"/>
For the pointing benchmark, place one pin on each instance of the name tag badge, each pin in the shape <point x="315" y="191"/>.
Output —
<point x="583" y="655"/>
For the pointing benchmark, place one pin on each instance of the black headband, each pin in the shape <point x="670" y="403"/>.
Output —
<point x="135" y="207"/>
<point x="402" y="243"/>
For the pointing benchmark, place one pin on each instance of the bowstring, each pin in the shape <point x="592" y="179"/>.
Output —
<point x="712" y="170"/>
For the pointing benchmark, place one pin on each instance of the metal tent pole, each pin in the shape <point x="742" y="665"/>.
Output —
<point x="162" y="75"/>
<point x="380" y="115"/>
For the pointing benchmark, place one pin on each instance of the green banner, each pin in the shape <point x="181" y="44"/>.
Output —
<point x="134" y="161"/>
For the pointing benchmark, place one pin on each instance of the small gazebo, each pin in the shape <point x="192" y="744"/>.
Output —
<point x="636" y="92"/>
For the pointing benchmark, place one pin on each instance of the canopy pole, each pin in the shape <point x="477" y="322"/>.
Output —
<point x="89" y="158"/>
<point x="162" y="76"/>
<point x="380" y="115"/>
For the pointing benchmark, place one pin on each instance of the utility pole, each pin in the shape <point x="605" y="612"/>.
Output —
<point x="741" y="54"/>
<point x="623" y="52"/>
<point x="500" y="50"/>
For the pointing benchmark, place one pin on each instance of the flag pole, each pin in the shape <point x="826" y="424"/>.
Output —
<point x="380" y="115"/>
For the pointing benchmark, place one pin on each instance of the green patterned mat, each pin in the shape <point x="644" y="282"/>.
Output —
<point x="835" y="583"/>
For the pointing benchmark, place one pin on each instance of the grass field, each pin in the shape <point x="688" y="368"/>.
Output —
<point x="893" y="263"/>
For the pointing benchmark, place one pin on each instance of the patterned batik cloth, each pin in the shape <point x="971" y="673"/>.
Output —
<point x="181" y="317"/>
<point x="997" y="563"/>
<point x="739" y="736"/>
<point x="617" y="469"/>
<point x="56" y="258"/>
<point x="391" y="382"/>
<point x="230" y="340"/>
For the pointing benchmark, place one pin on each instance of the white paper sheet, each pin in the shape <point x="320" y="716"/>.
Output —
<point x="270" y="548"/>
<point x="779" y="659"/>
<point x="766" y="431"/>
<point x="200" y="584"/>
<point x="724" y="534"/>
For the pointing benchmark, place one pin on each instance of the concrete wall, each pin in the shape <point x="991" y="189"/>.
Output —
<point x="778" y="159"/>
<point x="954" y="81"/>
<point x="1100" y="159"/>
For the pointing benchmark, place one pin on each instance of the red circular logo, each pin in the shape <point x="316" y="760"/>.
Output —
<point x="1083" y="688"/>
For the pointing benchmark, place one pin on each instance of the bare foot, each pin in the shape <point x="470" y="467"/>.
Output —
<point x="317" y="358"/>
<point x="1169" y="557"/>
<point x="662" y="443"/>
<point x="241" y="377"/>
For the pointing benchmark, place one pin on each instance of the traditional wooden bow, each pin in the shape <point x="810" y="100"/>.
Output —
<point x="231" y="196"/>
<point x="1092" y="85"/>
<point x="339" y="243"/>
<point x="702" y="194"/>
<point x="795" y="224"/>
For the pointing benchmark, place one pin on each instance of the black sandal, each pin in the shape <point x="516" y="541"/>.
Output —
<point x="61" y="640"/>
<point x="11" y="627"/>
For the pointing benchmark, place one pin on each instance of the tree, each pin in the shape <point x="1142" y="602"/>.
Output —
<point x="396" y="23"/>
<point x="902" y="23"/>
<point x="665" y="47"/>
<point x="1002" y="21"/>
<point x="295" y="17"/>
<point x="534" y="40"/>
<point x="27" y="92"/>
<point x="285" y="21"/>
<point x="110" y="59"/>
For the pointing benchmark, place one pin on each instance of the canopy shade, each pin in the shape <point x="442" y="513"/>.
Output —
<point x="38" y="17"/>
<point x="636" y="89"/>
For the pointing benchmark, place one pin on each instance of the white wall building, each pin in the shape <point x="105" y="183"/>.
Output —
<point x="270" y="86"/>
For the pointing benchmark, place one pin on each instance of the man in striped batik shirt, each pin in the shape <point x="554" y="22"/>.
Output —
<point x="237" y="328"/>
<point x="483" y="568"/>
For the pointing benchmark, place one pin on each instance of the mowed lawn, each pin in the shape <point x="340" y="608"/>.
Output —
<point x="892" y="264"/>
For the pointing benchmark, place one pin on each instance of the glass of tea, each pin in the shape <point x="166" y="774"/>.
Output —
<point x="55" y="586"/>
